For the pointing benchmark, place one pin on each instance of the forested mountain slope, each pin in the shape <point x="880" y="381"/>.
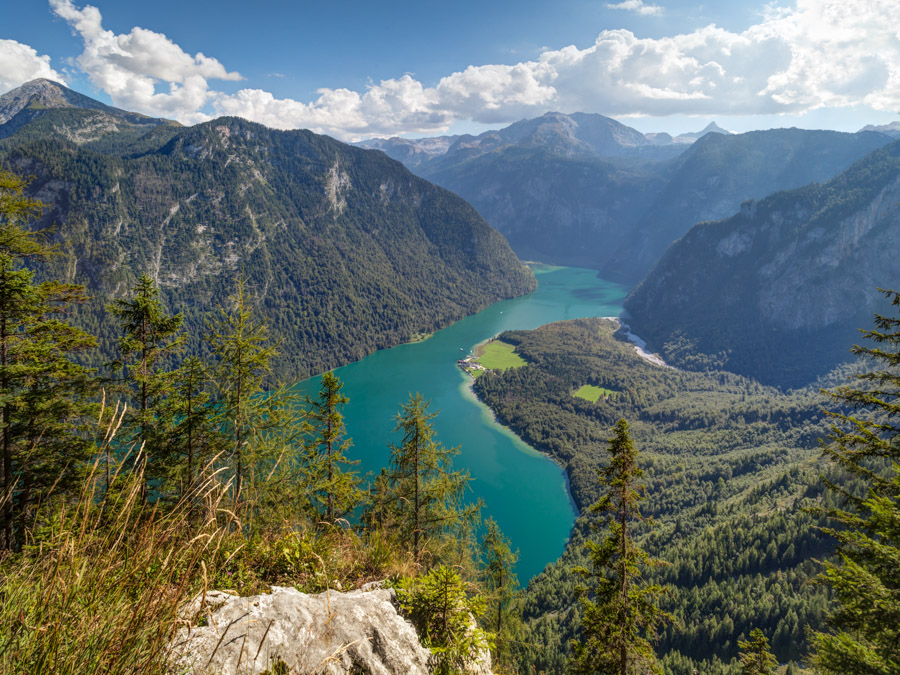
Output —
<point x="719" y="172"/>
<point x="347" y="251"/>
<point x="586" y="190"/>
<point x="729" y="465"/>
<point x="778" y="291"/>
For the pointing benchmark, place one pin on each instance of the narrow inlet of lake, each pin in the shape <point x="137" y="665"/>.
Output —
<point x="522" y="490"/>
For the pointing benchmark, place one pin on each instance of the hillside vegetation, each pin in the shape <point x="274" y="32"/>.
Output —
<point x="730" y="466"/>
<point x="778" y="291"/>
<point x="347" y="250"/>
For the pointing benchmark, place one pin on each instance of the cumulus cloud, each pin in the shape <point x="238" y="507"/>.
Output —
<point x="20" y="63"/>
<point x="818" y="53"/>
<point x="129" y="66"/>
<point x="636" y="6"/>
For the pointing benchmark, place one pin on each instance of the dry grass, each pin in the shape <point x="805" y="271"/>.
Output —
<point x="98" y="587"/>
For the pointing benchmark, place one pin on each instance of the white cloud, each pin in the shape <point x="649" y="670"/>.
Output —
<point x="637" y="6"/>
<point x="129" y="66"/>
<point x="819" y="53"/>
<point x="20" y="63"/>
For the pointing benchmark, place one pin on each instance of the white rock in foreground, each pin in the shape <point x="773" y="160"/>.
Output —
<point x="328" y="633"/>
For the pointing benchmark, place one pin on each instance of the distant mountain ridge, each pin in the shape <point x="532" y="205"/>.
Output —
<point x="348" y="251"/>
<point x="892" y="129"/>
<point x="779" y="291"/>
<point x="588" y="191"/>
<point x="563" y="134"/>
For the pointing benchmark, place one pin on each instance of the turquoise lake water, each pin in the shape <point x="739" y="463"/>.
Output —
<point x="523" y="490"/>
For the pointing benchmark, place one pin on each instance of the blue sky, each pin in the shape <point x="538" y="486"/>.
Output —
<point x="358" y="69"/>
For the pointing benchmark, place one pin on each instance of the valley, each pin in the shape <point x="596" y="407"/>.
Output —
<point x="332" y="368"/>
<point x="526" y="493"/>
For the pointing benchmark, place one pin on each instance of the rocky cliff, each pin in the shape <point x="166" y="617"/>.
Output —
<point x="780" y="289"/>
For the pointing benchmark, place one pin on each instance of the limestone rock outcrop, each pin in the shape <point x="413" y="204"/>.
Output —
<point x="328" y="633"/>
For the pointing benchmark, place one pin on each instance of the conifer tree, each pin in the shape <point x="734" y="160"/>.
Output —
<point x="247" y="415"/>
<point x="441" y="608"/>
<point x="150" y="339"/>
<point x="42" y="391"/>
<point x="426" y="490"/>
<point x="620" y="609"/>
<point x="193" y="439"/>
<point x="755" y="657"/>
<point x="335" y="490"/>
<point x="501" y="586"/>
<point x="865" y="445"/>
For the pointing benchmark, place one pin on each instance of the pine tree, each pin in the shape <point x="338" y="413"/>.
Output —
<point x="335" y="490"/>
<point x="620" y="610"/>
<point x="865" y="445"/>
<point x="426" y="490"/>
<point x="43" y="393"/>
<point x="755" y="657"/>
<point x="150" y="339"/>
<point x="501" y="585"/>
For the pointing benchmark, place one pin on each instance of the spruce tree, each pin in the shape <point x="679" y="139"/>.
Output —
<point x="755" y="656"/>
<point x="256" y="426"/>
<point x="620" y="608"/>
<point x="43" y="392"/>
<point x="149" y="340"/>
<point x="426" y="491"/>
<point x="334" y="490"/>
<point x="193" y="439"/>
<point x="865" y="446"/>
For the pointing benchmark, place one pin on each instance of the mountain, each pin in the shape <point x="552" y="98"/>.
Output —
<point x="719" y="172"/>
<point x="556" y="186"/>
<point x="412" y="152"/>
<point x="43" y="109"/>
<point x="711" y="128"/>
<point x="892" y="129"/>
<point x="585" y="190"/>
<point x="348" y="251"/>
<point x="779" y="290"/>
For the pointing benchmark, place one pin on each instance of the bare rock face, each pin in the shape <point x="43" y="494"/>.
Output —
<point x="328" y="633"/>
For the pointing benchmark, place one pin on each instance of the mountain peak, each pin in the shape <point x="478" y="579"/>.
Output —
<point x="41" y="94"/>
<point x="711" y="128"/>
<point x="892" y="129"/>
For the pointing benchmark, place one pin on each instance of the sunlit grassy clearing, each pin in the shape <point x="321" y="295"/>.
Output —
<point x="496" y="355"/>
<point x="591" y="393"/>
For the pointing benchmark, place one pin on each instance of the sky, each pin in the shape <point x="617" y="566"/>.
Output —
<point x="358" y="69"/>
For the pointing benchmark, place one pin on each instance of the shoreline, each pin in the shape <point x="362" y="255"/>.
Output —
<point x="469" y="385"/>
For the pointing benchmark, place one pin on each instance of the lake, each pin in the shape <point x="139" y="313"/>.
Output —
<point x="523" y="490"/>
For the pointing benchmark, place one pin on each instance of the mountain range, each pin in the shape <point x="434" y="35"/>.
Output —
<point x="779" y="290"/>
<point x="346" y="250"/>
<point x="588" y="191"/>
